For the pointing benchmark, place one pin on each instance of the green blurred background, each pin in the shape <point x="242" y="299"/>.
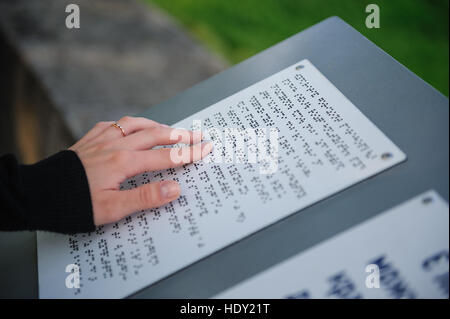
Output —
<point x="415" y="32"/>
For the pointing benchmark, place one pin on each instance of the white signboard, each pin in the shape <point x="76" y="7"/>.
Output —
<point x="402" y="253"/>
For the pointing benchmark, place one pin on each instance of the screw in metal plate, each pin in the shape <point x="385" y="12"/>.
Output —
<point x="299" y="67"/>
<point x="427" y="200"/>
<point x="386" y="156"/>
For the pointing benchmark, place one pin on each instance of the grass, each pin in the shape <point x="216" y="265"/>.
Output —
<point x="415" y="32"/>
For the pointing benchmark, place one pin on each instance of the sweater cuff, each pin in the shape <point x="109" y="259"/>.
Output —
<point x="58" y="196"/>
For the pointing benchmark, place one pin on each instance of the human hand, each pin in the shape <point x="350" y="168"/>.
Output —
<point x="109" y="158"/>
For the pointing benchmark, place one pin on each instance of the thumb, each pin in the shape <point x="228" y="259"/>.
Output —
<point x="124" y="203"/>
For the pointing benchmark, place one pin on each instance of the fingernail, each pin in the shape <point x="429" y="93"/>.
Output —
<point x="206" y="148"/>
<point x="169" y="189"/>
<point x="165" y="125"/>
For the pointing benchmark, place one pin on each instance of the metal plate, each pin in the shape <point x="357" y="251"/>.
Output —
<point x="401" y="253"/>
<point x="280" y="145"/>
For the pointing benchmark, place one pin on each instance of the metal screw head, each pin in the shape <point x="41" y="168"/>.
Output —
<point x="427" y="200"/>
<point x="299" y="67"/>
<point x="386" y="155"/>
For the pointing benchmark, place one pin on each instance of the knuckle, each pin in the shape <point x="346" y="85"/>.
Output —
<point x="103" y="124"/>
<point x="126" y="119"/>
<point x="153" y="134"/>
<point x="104" y="211"/>
<point x="153" y="130"/>
<point x="120" y="157"/>
<point x="148" y="196"/>
<point x="101" y="147"/>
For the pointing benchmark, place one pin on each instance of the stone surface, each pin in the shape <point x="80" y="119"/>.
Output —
<point x="125" y="58"/>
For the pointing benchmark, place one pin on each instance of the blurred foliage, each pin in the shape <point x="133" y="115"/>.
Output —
<point x="415" y="32"/>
